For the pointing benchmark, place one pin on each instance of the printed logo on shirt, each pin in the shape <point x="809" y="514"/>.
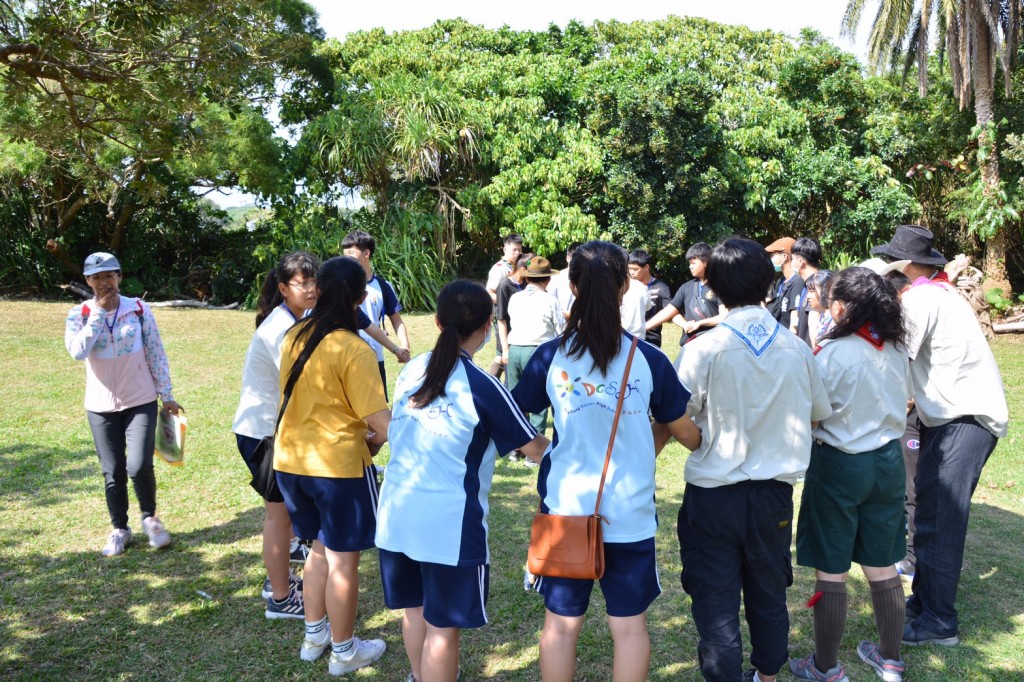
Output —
<point x="913" y="444"/>
<point x="444" y="409"/>
<point x="579" y="387"/>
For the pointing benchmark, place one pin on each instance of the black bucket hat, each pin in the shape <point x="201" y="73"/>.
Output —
<point x="912" y="243"/>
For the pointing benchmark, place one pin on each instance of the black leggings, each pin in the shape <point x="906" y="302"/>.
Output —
<point x="124" y="443"/>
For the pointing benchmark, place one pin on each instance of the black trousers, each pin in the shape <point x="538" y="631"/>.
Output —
<point x="124" y="444"/>
<point x="736" y="540"/>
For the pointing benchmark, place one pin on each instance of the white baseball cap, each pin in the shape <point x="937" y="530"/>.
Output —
<point x="100" y="262"/>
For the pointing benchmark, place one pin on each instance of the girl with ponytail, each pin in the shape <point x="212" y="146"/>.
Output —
<point x="288" y="292"/>
<point x="852" y="505"/>
<point x="451" y="421"/>
<point x="335" y="420"/>
<point x="580" y="376"/>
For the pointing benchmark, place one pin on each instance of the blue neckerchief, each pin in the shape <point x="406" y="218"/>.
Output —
<point x="757" y="337"/>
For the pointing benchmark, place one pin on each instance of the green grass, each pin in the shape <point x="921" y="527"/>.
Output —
<point x="66" y="612"/>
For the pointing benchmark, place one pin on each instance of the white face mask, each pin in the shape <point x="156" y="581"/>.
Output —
<point x="487" y="338"/>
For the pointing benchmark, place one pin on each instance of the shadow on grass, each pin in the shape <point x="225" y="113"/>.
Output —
<point x="990" y="599"/>
<point x="45" y="476"/>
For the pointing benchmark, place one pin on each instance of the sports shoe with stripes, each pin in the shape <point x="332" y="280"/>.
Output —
<point x="293" y="584"/>
<point x="299" y="552"/>
<point x="886" y="668"/>
<point x="359" y="656"/>
<point x="291" y="607"/>
<point x="805" y="669"/>
<point x="313" y="649"/>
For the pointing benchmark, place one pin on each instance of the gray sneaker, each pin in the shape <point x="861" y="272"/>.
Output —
<point x="886" y="668"/>
<point x="359" y="656"/>
<point x="291" y="607"/>
<point x="119" y="539"/>
<point x="155" y="531"/>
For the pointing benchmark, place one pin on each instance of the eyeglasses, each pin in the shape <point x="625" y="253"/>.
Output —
<point x="306" y="286"/>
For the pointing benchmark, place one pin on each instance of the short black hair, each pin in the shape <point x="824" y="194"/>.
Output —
<point x="740" y="272"/>
<point x="700" y="251"/>
<point x="808" y="249"/>
<point x="897" y="279"/>
<point x="512" y="238"/>
<point x="359" y="239"/>
<point x="639" y="257"/>
<point x="572" y="249"/>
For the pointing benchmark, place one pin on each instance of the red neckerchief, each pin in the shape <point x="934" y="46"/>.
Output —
<point x="868" y="333"/>
<point x="941" y="279"/>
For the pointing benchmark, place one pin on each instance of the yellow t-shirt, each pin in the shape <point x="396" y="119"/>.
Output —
<point x="322" y="432"/>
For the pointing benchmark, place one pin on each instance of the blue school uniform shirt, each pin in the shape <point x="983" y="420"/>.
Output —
<point x="583" y="405"/>
<point x="380" y="301"/>
<point x="433" y="505"/>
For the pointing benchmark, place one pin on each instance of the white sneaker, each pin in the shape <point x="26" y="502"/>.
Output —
<point x="119" y="539"/>
<point x="158" y="535"/>
<point x="313" y="649"/>
<point x="360" y="655"/>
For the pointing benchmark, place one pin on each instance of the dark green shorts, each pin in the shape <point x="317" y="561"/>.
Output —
<point x="852" y="510"/>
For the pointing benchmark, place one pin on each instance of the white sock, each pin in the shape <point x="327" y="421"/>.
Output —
<point x="316" y="629"/>
<point x="342" y="648"/>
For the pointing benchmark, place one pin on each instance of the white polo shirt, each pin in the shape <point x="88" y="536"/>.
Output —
<point x="635" y="304"/>
<point x="433" y="506"/>
<point x="756" y="388"/>
<point x="583" y="406"/>
<point x="868" y="387"/>
<point x="953" y="370"/>
<point x="535" y="317"/>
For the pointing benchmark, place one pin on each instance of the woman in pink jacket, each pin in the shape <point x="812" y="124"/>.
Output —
<point x="125" y="371"/>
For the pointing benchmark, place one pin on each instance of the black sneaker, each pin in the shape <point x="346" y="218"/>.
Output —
<point x="299" y="553"/>
<point x="293" y="584"/>
<point x="291" y="607"/>
<point x="914" y="635"/>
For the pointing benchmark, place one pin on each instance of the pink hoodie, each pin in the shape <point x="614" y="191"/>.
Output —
<point x="125" y="366"/>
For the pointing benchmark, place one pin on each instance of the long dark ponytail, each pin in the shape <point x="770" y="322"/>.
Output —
<point x="463" y="307"/>
<point x="341" y="283"/>
<point x="870" y="299"/>
<point x="295" y="263"/>
<point x="598" y="271"/>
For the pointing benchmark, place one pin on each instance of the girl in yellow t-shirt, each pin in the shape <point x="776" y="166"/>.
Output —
<point x="335" y="421"/>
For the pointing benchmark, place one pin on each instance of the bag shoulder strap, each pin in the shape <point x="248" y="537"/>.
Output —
<point x="615" y="425"/>
<point x="287" y="394"/>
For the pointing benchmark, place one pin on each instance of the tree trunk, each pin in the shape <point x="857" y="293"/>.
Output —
<point x="988" y="152"/>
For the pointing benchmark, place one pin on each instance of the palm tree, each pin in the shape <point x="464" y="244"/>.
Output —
<point x="975" y="35"/>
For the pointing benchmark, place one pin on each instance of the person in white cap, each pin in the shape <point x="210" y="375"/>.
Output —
<point x="126" y="371"/>
<point x="961" y="405"/>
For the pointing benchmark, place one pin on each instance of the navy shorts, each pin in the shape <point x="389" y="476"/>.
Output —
<point x="630" y="583"/>
<point x="247" y="447"/>
<point x="451" y="596"/>
<point x="339" y="512"/>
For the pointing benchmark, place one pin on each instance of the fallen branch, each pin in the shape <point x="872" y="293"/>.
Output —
<point x="187" y="303"/>
<point x="76" y="288"/>
<point x="1011" y="327"/>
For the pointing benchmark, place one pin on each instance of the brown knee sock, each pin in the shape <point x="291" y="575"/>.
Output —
<point x="829" y="623"/>
<point x="887" y="601"/>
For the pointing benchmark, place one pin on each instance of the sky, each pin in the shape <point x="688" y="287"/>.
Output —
<point x="786" y="16"/>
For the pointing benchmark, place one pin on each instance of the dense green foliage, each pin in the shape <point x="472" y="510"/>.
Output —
<point x="654" y="134"/>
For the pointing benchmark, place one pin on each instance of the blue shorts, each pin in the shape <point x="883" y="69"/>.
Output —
<point x="339" y="512"/>
<point x="630" y="583"/>
<point x="451" y="596"/>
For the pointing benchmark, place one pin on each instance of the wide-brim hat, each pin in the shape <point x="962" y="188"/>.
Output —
<point x="880" y="267"/>
<point x="912" y="243"/>
<point x="781" y="245"/>
<point x="539" y="266"/>
<point x="100" y="262"/>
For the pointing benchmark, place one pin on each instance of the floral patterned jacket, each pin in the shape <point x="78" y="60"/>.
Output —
<point x="125" y="362"/>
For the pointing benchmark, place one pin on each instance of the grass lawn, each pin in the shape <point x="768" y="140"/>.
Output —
<point x="67" y="612"/>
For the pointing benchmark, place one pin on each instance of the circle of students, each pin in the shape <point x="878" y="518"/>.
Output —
<point x="784" y="371"/>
